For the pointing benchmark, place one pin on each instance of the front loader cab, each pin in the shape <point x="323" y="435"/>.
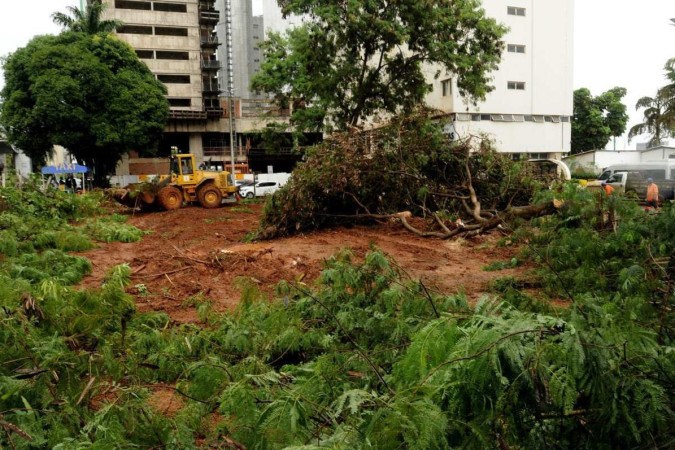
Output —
<point x="183" y="168"/>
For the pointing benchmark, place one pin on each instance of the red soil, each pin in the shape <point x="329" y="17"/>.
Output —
<point x="195" y="251"/>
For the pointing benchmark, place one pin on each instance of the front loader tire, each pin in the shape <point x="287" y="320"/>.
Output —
<point x="210" y="196"/>
<point x="169" y="198"/>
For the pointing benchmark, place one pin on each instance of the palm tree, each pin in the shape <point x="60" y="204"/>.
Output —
<point x="669" y="94"/>
<point x="87" y="21"/>
<point x="658" y="121"/>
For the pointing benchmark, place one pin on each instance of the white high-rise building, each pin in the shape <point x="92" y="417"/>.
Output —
<point x="274" y="21"/>
<point x="529" y="111"/>
<point x="247" y="33"/>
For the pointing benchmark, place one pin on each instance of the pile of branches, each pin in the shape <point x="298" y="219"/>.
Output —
<point x="407" y="168"/>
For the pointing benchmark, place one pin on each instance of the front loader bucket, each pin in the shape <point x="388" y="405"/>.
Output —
<point x="133" y="199"/>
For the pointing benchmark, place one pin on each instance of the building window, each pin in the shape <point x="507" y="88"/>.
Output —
<point x="181" y="56"/>
<point x="538" y="155"/>
<point x="446" y="86"/>
<point x="515" y="48"/>
<point x="174" y="79"/>
<point x="125" y="4"/>
<point x="564" y="118"/>
<point x="515" y="11"/>
<point x="517" y="85"/>
<point x="170" y="7"/>
<point x="171" y="31"/>
<point x="145" y="54"/>
<point x="134" y="29"/>
<point x="179" y="102"/>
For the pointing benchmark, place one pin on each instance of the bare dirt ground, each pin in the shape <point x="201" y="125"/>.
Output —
<point x="195" y="251"/>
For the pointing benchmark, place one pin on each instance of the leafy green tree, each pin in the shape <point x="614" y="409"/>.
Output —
<point x="669" y="93"/>
<point x="658" y="121"/>
<point x="354" y="60"/>
<point x="659" y="111"/>
<point x="87" y="21"/>
<point x="597" y="119"/>
<point x="88" y="93"/>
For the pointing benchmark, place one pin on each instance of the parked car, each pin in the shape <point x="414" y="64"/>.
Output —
<point x="241" y="183"/>
<point x="259" y="189"/>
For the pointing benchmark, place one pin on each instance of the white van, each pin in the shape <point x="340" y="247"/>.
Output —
<point x="657" y="170"/>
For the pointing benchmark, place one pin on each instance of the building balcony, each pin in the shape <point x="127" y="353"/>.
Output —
<point x="207" y="4"/>
<point x="209" y="41"/>
<point x="262" y="108"/>
<point x="187" y="114"/>
<point x="211" y="88"/>
<point x="209" y="16"/>
<point x="214" y="113"/>
<point x="210" y="65"/>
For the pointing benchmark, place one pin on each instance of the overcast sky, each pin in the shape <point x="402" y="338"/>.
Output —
<point x="616" y="42"/>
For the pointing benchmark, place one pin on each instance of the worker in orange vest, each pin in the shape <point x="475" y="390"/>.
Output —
<point x="652" y="193"/>
<point x="608" y="188"/>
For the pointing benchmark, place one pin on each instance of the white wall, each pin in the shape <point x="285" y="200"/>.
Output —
<point x="546" y="31"/>
<point x="658" y="154"/>
<point x="597" y="160"/>
<point x="519" y="137"/>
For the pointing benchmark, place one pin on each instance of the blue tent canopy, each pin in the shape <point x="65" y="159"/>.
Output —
<point x="64" y="168"/>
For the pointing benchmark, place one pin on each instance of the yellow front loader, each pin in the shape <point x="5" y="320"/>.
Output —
<point x="185" y="183"/>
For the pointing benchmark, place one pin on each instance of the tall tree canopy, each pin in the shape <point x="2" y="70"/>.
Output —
<point x="668" y="92"/>
<point x="597" y="119"/>
<point x="88" y="93"/>
<point x="658" y="122"/>
<point x="353" y="60"/>
<point x="659" y="111"/>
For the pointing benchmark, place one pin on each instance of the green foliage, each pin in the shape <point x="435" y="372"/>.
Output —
<point x="364" y="357"/>
<point x="88" y="20"/>
<point x="109" y="230"/>
<point x="659" y="111"/>
<point x="87" y="92"/>
<point x="501" y="265"/>
<point x="345" y="63"/>
<point x="408" y="165"/>
<point x="658" y="119"/>
<point x="597" y="119"/>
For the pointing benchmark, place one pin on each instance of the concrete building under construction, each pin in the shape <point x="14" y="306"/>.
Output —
<point x="205" y="59"/>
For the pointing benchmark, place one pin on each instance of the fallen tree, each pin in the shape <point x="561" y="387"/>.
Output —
<point x="408" y="168"/>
